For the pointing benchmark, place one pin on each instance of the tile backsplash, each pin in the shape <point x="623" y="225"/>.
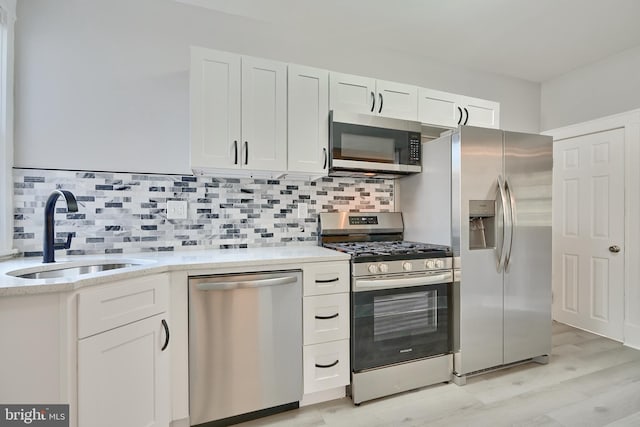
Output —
<point x="127" y="212"/>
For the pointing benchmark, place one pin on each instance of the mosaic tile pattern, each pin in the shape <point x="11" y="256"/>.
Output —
<point x="122" y="212"/>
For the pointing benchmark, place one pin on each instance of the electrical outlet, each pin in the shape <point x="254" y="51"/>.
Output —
<point x="176" y="209"/>
<point x="303" y="212"/>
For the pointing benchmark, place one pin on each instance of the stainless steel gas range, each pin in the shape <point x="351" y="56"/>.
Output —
<point x="401" y="293"/>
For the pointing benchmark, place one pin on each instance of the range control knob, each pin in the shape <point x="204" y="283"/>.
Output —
<point x="383" y="268"/>
<point x="373" y="268"/>
<point x="439" y="263"/>
<point x="407" y="266"/>
<point x="430" y="264"/>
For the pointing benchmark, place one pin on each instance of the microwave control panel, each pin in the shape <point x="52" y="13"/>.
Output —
<point x="415" y="148"/>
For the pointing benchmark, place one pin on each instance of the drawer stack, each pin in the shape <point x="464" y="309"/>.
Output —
<point x="326" y="326"/>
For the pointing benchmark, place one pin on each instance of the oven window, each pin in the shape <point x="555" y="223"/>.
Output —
<point x="395" y="316"/>
<point x="397" y="325"/>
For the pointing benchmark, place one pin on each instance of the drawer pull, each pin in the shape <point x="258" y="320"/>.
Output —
<point x="333" y="316"/>
<point x="327" y="280"/>
<point x="166" y="330"/>
<point x="327" y="366"/>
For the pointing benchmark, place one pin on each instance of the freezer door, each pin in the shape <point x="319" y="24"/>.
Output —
<point x="477" y="162"/>
<point x="527" y="280"/>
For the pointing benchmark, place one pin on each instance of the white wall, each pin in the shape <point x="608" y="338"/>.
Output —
<point x="103" y="85"/>
<point x="601" y="89"/>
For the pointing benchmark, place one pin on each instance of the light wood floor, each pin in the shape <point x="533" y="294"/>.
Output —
<point x="589" y="381"/>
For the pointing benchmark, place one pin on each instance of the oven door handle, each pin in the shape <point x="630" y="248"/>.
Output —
<point x="432" y="278"/>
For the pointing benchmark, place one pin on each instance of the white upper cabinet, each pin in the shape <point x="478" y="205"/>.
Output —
<point x="215" y="109"/>
<point x="308" y="120"/>
<point x="369" y="96"/>
<point x="238" y="112"/>
<point x="480" y="112"/>
<point x="397" y="100"/>
<point x="445" y="109"/>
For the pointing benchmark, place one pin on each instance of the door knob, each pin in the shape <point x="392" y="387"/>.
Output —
<point x="615" y="249"/>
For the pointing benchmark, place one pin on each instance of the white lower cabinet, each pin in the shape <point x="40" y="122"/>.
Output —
<point x="326" y="366"/>
<point x="123" y="377"/>
<point x="326" y="318"/>
<point x="326" y="313"/>
<point x="123" y="354"/>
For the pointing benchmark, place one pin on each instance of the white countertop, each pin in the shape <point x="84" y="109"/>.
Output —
<point x="150" y="263"/>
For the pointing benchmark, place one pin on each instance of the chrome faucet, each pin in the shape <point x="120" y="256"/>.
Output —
<point x="49" y="246"/>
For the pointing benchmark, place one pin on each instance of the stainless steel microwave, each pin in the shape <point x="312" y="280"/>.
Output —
<point x="373" y="146"/>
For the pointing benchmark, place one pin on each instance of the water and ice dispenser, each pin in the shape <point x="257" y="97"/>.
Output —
<point x="482" y="224"/>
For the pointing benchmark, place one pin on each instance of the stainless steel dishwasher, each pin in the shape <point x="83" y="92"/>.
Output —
<point x="245" y="346"/>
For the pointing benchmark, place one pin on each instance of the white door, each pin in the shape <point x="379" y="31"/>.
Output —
<point x="348" y="92"/>
<point x="215" y="109"/>
<point x="123" y="377"/>
<point x="308" y="120"/>
<point x="264" y="114"/>
<point x="397" y="100"/>
<point x="588" y="229"/>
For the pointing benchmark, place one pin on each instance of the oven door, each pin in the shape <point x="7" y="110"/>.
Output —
<point x="399" y="324"/>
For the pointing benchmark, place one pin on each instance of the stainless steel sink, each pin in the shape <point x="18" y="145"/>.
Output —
<point x="68" y="271"/>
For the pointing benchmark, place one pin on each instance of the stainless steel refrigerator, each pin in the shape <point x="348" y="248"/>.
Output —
<point x="487" y="193"/>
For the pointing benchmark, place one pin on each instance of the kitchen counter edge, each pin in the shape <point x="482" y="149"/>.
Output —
<point x="155" y="263"/>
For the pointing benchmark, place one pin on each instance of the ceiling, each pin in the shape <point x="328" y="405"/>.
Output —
<point x="534" y="40"/>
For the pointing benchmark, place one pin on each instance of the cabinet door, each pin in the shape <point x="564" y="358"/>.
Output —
<point x="397" y="100"/>
<point x="308" y="120"/>
<point x="325" y="318"/>
<point x="352" y="93"/>
<point x="264" y="114"/>
<point x="322" y="278"/>
<point x="215" y="109"/>
<point x="438" y="108"/>
<point x="481" y="112"/>
<point x="326" y="366"/>
<point x="123" y="377"/>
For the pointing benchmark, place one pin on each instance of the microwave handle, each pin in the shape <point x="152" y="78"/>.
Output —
<point x="326" y="158"/>
<point x="373" y="101"/>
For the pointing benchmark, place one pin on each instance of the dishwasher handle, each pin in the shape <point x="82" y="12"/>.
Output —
<point x="244" y="284"/>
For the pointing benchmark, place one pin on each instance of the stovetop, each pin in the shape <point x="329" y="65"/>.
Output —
<point x="390" y="250"/>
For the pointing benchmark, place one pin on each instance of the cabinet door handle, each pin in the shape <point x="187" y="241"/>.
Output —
<point x="333" y="316"/>
<point x="373" y="101"/>
<point x="235" y="152"/>
<point x="467" y="118"/>
<point x="327" y="280"/>
<point x="246" y="153"/>
<point x="326" y="158"/>
<point x="166" y="331"/>
<point x="331" y="365"/>
<point x="380" y="109"/>
<point x="460" y="118"/>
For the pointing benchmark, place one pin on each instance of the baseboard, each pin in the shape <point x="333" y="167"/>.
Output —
<point x="632" y="336"/>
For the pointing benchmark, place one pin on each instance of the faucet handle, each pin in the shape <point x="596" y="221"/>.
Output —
<point x="65" y="245"/>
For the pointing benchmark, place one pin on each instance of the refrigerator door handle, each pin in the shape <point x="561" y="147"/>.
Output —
<point x="511" y="224"/>
<point x="503" y="230"/>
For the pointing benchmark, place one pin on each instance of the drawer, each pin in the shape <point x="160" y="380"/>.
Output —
<point x="325" y="318"/>
<point x="120" y="303"/>
<point x="326" y="366"/>
<point x="322" y="278"/>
